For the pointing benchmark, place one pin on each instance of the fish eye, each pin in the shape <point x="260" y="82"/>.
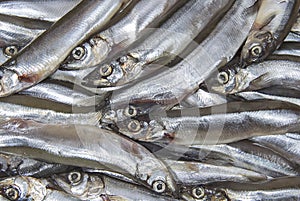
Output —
<point x="130" y="111"/>
<point x="223" y="77"/>
<point x="134" y="126"/>
<point x="78" y="53"/>
<point x="74" y="177"/>
<point x="123" y="59"/>
<point x="11" y="51"/>
<point x="12" y="193"/>
<point x="256" y="51"/>
<point x="105" y="70"/>
<point x="159" y="186"/>
<point x="198" y="192"/>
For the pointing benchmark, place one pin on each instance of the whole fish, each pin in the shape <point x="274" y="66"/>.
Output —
<point x="195" y="173"/>
<point x="90" y="186"/>
<point x="215" y="125"/>
<point x="162" y="90"/>
<point x="49" y="10"/>
<point x="13" y="111"/>
<point x="259" y="76"/>
<point x="286" y="188"/>
<point x="273" y="22"/>
<point x="120" y="35"/>
<point x="44" y="55"/>
<point x="164" y="44"/>
<point x="91" y="147"/>
<point x="62" y="94"/>
<point x="286" y="145"/>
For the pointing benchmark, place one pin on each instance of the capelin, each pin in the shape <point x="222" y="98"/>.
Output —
<point x="88" y="54"/>
<point x="257" y="47"/>
<point x="9" y="82"/>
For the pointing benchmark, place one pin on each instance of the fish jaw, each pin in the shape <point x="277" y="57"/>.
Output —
<point x="10" y="82"/>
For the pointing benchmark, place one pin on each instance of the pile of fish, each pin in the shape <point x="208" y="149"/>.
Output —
<point x="149" y="100"/>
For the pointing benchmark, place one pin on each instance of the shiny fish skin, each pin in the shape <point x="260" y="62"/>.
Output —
<point x="13" y="111"/>
<point x="92" y="185"/>
<point x="272" y="24"/>
<point x="253" y="95"/>
<point x="286" y="145"/>
<point x="155" y="91"/>
<point x="122" y="34"/>
<point x="216" y="125"/>
<point x="49" y="10"/>
<point x="61" y="94"/>
<point x="35" y="62"/>
<point x="261" y="75"/>
<point x="286" y="188"/>
<point x="296" y="26"/>
<point x="166" y="42"/>
<point x="292" y="37"/>
<point x="289" y="48"/>
<point x="195" y="173"/>
<point x="95" y="147"/>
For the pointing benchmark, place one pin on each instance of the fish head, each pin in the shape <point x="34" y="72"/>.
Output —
<point x="87" y="55"/>
<point x="22" y="188"/>
<point x="11" y="82"/>
<point x="80" y="184"/>
<point x="224" y="82"/>
<point x="118" y="72"/>
<point x="257" y="47"/>
<point x="202" y="193"/>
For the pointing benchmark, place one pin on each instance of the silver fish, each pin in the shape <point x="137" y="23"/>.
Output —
<point x="61" y="94"/>
<point x="195" y="173"/>
<point x="289" y="48"/>
<point x="29" y="68"/>
<point x="49" y="10"/>
<point x="216" y="125"/>
<point x="272" y="24"/>
<point x="286" y="188"/>
<point x="292" y="37"/>
<point x="166" y="42"/>
<point x="120" y="35"/>
<point x="13" y="111"/>
<point x="259" y="76"/>
<point x="154" y="91"/>
<point x="296" y="26"/>
<point x="287" y="145"/>
<point x="91" y="147"/>
<point x="90" y="186"/>
<point x="23" y="188"/>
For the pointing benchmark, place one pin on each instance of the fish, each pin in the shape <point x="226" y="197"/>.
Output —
<point x="296" y="26"/>
<point x="286" y="188"/>
<point x="289" y="48"/>
<point x="273" y="22"/>
<point x="23" y="188"/>
<point x="163" y="91"/>
<point x="120" y="35"/>
<point x="221" y="124"/>
<point x="188" y="173"/>
<point x="292" y="37"/>
<point x="91" y="147"/>
<point x="258" y="76"/>
<point x="286" y="145"/>
<point x="49" y="10"/>
<point x="58" y="93"/>
<point x="29" y="67"/>
<point x="167" y="42"/>
<point x="90" y="186"/>
<point x="14" y="111"/>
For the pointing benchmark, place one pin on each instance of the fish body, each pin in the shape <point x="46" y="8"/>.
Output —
<point x="91" y="147"/>
<point x="43" y="56"/>
<point x="122" y="34"/>
<point x="165" y="43"/>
